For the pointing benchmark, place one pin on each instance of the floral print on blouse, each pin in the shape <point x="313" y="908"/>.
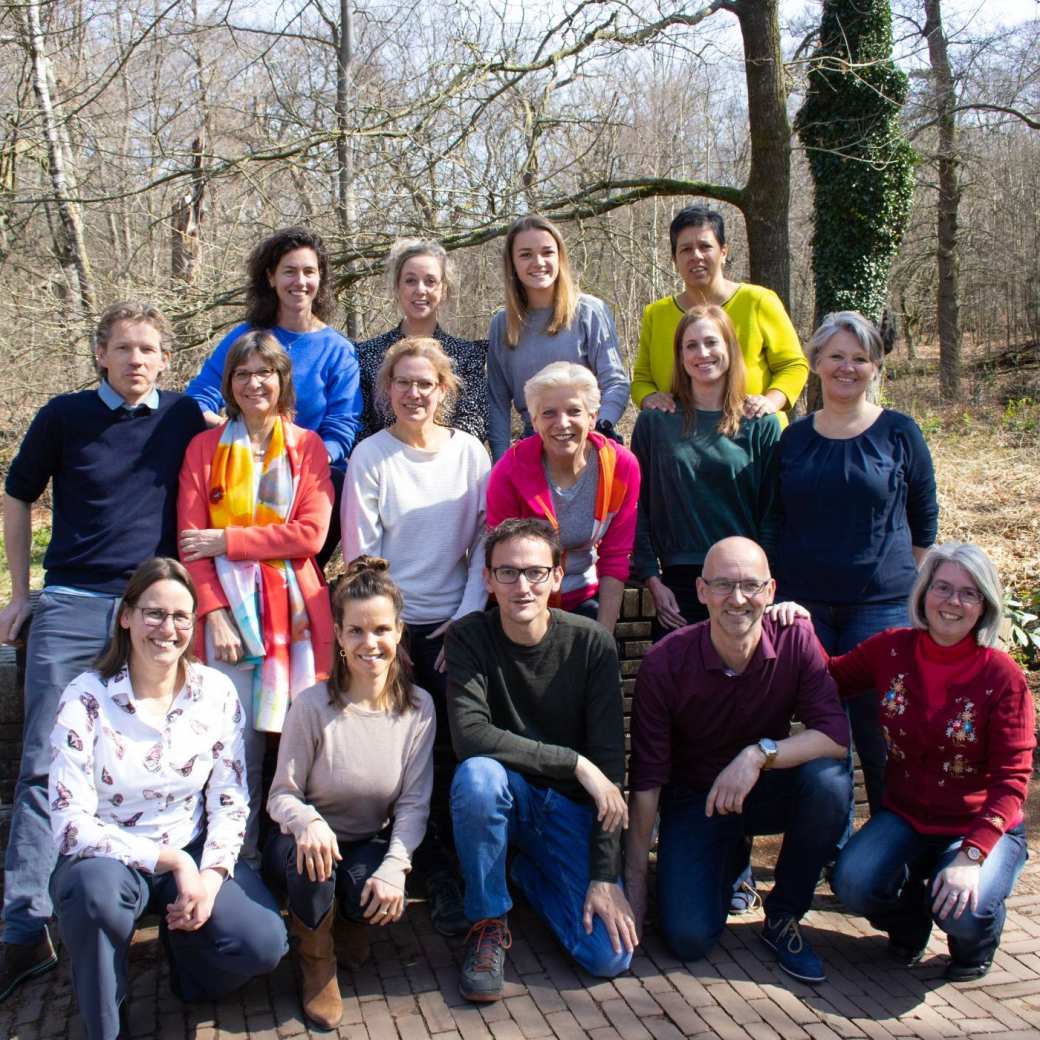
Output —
<point x="121" y="788"/>
<point x="470" y="412"/>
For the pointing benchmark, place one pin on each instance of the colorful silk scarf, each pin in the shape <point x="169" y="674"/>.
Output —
<point x="263" y="595"/>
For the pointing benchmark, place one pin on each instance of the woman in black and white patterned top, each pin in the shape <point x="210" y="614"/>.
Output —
<point x="148" y="808"/>
<point x="421" y="279"/>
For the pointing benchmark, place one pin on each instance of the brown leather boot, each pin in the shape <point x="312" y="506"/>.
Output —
<point x="351" y="942"/>
<point x="316" y="960"/>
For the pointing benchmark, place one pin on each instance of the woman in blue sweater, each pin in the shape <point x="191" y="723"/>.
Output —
<point x="290" y="293"/>
<point x="857" y="492"/>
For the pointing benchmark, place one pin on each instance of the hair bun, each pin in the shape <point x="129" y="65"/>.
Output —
<point x="361" y="564"/>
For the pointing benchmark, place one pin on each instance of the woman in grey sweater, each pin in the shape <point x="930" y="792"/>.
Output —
<point x="546" y="319"/>
<point x="351" y="793"/>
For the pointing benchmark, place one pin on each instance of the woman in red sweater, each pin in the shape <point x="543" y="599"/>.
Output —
<point x="959" y="723"/>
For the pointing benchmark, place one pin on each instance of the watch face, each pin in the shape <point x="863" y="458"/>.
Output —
<point x="973" y="853"/>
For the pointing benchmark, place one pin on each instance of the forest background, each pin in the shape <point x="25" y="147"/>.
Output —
<point x="146" y="145"/>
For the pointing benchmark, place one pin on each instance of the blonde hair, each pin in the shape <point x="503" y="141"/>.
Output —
<point x="405" y="249"/>
<point x="735" y="379"/>
<point x="565" y="292"/>
<point x="421" y="347"/>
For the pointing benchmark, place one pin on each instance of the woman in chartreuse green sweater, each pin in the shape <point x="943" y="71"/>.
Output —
<point x="776" y="366"/>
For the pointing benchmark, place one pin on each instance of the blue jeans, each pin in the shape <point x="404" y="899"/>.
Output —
<point x="493" y="808"/>
<point x="841" y="628"/>
<point x="310" y="900"/>
<point x="886" y="872"/>
<point x="98" y="902"/>
<point x="699" y="856"/>
<point x="66" y="635"/>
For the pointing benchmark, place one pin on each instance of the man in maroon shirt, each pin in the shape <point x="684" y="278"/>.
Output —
<point x="711" y="747"/>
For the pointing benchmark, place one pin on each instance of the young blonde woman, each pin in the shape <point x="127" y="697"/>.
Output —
<point x="421" y="278"/>
<point x="414" y="495"/>
<point x="546" y="319"/>
<point x="351" y="793"/>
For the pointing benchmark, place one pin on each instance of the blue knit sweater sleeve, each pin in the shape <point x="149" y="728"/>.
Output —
<point x="205" y="387"/>
<point x="38" y="456"/>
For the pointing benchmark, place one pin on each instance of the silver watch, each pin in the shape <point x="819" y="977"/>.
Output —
<point x="769" y="749"/>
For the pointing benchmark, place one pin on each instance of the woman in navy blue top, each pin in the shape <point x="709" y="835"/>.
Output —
<point x="857" y="491"/>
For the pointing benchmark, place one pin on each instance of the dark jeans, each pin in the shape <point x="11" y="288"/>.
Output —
<point x="99" y="901"/>
<point x="310" y="900"/>
<point x="682" y="581"/>
<point x="700" y="856"/>
<point x="886" y="872"/>
<point x="841" y="628"/>
<point x="436" y="853"/>
<point x="333" y="537"/>
<point x="66" y="634"/>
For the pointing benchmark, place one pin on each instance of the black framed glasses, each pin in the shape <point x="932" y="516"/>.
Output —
<point x="511" y="575"/>
<point x="968" y="596"/>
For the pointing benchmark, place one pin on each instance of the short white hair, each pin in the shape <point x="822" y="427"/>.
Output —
<point x="865" y="331"/>
<point x="982" y="572"/>
<point x="562" y="375"/>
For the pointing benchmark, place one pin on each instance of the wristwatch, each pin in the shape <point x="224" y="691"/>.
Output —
<point x="974" y="854"/>
<point x="769" y="749"/>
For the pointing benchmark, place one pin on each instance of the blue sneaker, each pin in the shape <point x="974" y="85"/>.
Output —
<point x="793" y="952"/>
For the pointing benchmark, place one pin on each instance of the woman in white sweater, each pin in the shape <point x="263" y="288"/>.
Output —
<point x="414" y="495"/>
<point x="351" y="793"/>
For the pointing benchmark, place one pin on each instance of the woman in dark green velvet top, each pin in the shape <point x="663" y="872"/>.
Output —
<point x="707" y="471"/>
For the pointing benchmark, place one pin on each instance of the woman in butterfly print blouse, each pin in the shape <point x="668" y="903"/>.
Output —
<point x="148" y="809"/>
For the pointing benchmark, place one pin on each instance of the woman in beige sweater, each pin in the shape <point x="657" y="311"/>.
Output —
<point x="351" y="794"/>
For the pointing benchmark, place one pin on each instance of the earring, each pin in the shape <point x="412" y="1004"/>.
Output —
<point x="342" y="653"/>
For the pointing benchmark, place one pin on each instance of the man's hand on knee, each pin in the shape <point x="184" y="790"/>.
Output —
<point x="734" y="783"/>
<point x="607" y="901"/>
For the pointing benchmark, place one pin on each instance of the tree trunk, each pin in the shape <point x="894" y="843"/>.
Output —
<point x="767" y="193"/>
<point x="72" y="248"/>
<point x="947" y="260"/>
<point x="346" y="208"/>
<point x="188" y="214"/>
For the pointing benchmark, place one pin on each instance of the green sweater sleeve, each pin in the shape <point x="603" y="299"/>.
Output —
<point x="642" y="374"/>
<point x="788" y="366"/>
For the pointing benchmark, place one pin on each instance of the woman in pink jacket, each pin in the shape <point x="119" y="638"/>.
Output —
<point x="583" y="483"/>
<point x="253" y="510"/>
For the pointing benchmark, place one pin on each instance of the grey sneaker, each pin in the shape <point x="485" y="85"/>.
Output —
<point x="483" y="969"/>
<point x="20" y="962"/>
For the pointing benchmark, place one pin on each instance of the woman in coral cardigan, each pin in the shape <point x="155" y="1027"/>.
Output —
<point x="583" y="483"/>
<point x="958" y="718"/>
<point x="253" y="510"/>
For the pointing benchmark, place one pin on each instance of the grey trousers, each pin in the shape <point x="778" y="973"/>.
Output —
<point x="98" y="902"/>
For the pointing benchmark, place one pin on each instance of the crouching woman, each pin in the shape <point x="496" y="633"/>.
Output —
<point x="351" y="793"/>
<point x="149" y="807"/>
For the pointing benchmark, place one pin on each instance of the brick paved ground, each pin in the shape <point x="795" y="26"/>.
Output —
<point x="408" y="991"/>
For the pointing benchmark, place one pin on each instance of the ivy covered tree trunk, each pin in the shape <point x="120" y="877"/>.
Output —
<point x="861" y="164"/>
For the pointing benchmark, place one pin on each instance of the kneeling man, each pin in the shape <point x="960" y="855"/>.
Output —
<point x="711" y="748"/>
<point x="534" y="703"/>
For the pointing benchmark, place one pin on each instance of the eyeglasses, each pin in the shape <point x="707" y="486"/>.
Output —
<point x="154" y="617"/>
<point x="511" y="575"/>
<point x="727" y="586"/>
<point x="244" y="377"/>
<point x="424" y="386"/>
<point x="968" y="596"/>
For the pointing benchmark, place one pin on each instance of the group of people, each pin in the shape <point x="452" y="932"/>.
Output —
<point x="451" y="709"/>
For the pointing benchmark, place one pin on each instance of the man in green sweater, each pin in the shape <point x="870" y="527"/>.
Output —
<point x="535" y="709"/>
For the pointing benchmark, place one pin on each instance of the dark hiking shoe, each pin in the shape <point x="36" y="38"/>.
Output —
<point x="907" y="954"/>
<point x="483" y="969"/>
<point x="444" y="898"/>
<point x="958" y="972"/>
<point x="20" y="962"/>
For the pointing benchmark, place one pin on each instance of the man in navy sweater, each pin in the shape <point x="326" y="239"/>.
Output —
<point x="113" y="455"/>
